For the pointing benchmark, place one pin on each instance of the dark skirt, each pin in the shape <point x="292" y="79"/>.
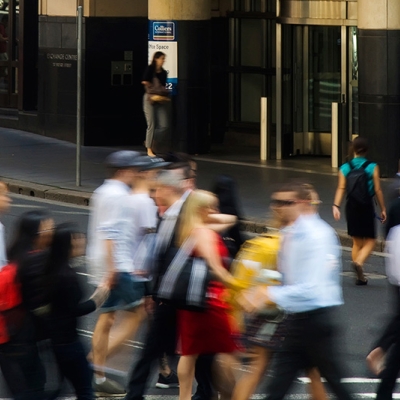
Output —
<point x="263" y="333"/>
<point x="361" y="220"/>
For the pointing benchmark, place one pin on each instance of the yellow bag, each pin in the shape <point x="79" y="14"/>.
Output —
<point x="256" y="255"/>
<point x="255" y="264"/>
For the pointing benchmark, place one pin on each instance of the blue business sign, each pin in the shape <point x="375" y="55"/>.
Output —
<point x="162" y="31"/>
<point x="163" y="37"/>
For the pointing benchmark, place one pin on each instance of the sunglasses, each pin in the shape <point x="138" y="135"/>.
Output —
<point x="282" y="203"/>
<point x="288" y="203"/>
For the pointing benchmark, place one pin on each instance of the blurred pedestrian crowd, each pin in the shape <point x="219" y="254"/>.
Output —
<point x="163" y="254"/>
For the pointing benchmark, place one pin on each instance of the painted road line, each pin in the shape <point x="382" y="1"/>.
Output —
<point x="254" y="397"/>
<point x="247" y="164"/>
<point x="130" y="343"/>
<point x="347" y="380"/>
<point x="374" y="253"/>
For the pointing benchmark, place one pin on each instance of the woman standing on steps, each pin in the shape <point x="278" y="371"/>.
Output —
<point x="156" y="104"/>
<point x="360" y="214"/>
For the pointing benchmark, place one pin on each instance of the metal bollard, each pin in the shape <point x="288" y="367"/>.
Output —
<point x="335" y="136"/>
<point x="264" y="129"/>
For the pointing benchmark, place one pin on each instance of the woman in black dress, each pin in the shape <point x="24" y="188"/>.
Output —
<point x="360" y="215"/>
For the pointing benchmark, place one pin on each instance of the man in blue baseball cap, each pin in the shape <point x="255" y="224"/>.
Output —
<point x="110" y="260"/>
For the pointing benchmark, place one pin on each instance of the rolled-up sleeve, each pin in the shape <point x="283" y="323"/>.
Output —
<point x="111" y="227"/>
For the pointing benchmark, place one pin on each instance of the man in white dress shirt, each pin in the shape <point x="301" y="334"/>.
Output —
<point x="5" y="202"/>
<point x="310" y="259"/>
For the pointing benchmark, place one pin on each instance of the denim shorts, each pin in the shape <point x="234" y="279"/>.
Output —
<point x="126" y="295"/>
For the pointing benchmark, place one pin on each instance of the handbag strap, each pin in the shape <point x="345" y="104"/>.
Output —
<point x="174" y="269"/>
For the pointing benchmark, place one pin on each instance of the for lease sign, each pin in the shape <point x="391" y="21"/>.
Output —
<point x="163" y="37"/>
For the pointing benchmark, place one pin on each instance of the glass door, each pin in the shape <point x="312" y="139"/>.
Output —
<point x="9" y="30"/>
<point x="312" y="70"/>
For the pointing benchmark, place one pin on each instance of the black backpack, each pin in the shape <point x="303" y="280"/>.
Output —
<point x="357" y="184"/>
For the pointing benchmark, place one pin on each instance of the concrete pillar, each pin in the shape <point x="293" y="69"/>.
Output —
<point x="191" y="105"/>
<point x="379" y="80"/>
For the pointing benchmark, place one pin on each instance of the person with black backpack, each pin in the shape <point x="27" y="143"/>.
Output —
<point x="359" y="179"/>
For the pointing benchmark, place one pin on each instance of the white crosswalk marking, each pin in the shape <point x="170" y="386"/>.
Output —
<point x="348" y="380"/>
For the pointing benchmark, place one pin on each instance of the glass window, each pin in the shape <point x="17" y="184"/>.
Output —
<point x="251" y="92"/>
<point x="251" y="42"/>
<point x="353" y="87"/>
<point x="324" y="75"/>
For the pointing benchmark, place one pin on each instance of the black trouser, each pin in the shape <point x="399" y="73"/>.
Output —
<point x="161" y="338"/>
<point x="203" y="374"/>
<point x="392" y="330"/>
<point x="71" y="359"/>
<point x="23" y="370"/>
<point x="390" y="341"/>
<point x="310" y="336"/>
<point x="389" y="374"/>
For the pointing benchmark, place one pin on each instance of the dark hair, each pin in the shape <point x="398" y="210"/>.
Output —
<point x="360" y="145"/>
<point x="225" y="189"/>
<point x="156" y="56"/>
<point x="303" y="190"/>
<point x="60" y="251"/>
<point x="26" y="234"/>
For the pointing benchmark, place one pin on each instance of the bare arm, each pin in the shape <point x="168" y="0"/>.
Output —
<point x="221" y="222"/>
<point x="206" y="247"/>
<point x="111" y="271"/>
<point x="379" y="193"/>
<point x="341" y="188"/>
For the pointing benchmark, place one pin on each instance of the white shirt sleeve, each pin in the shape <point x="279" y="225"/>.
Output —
<point x="3" y="255"/>
<point x="111" y="224"/>
<point x="147" y="214"/>
<point x="392" y="262"/>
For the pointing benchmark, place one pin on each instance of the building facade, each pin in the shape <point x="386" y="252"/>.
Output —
<point x="301" y="54"/>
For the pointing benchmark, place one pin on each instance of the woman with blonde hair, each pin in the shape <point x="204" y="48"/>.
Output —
<point x="207" y="332"/>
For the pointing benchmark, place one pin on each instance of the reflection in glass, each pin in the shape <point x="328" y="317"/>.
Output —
<point x="251" y="85"/>
<point x="3" y="52"/>
<point x="324" y="75"/>
<point x="252" y="42"/>
<point x="354" y="81"/>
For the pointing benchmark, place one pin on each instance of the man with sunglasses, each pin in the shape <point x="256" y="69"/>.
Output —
<point x="310" y="259"/>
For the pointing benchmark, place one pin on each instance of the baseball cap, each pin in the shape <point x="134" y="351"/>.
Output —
<point x="146" y="163"/>
<point x="123" y="159"/>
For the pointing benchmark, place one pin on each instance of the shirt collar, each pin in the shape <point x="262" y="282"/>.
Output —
<point x="175" y="209"/>
<point x="116" y="182"/>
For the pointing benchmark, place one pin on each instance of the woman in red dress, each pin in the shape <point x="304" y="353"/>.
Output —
<point x="207" y="332"/>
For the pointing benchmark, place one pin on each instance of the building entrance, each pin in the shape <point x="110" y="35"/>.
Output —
<point x="317" y="71"/>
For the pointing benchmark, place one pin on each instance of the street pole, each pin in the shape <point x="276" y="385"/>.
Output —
<point x="79" y="23"/>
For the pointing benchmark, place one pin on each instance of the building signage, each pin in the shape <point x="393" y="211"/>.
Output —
<point x="163" y="37"/>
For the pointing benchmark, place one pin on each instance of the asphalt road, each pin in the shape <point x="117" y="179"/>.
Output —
<point x="361" y="318"/>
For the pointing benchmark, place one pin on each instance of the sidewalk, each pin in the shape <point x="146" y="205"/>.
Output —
<point x="44" y="167"/>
